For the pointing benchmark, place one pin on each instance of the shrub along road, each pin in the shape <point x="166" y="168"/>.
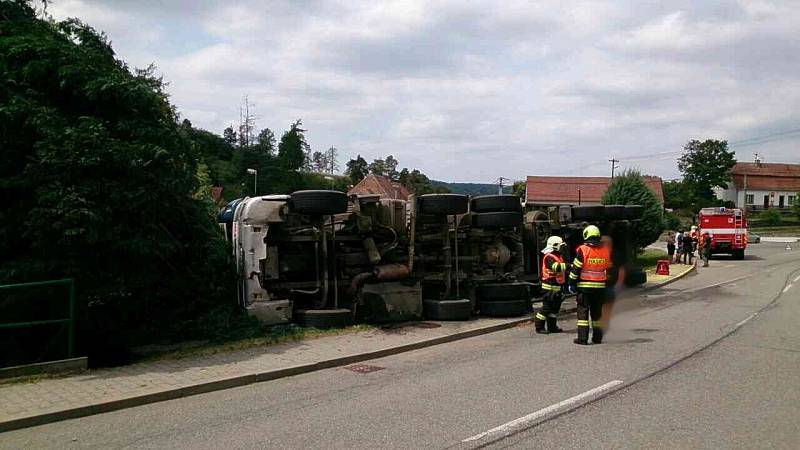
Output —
<point x="505" y="383"/>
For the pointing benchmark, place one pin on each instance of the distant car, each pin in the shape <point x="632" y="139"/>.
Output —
<point x="753" y="238"/>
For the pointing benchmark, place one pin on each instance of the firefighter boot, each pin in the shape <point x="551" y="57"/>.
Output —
<point x="552" y="325"/>
<point x="538" y="322"/>
<point x="597" y="335"/>
<point x="583" y="335"/>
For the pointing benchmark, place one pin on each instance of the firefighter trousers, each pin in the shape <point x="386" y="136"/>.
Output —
<point x="590" y="310"/>
<point x="551" y="305"/>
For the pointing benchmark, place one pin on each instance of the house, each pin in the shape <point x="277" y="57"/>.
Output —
<point x="553" y="191"/>
<point x="759" y="185"/>
<point x="383" y="186"/>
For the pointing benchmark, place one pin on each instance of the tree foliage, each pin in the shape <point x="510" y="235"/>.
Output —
<point x="630" y="189"/>
<point x="292" y="148"/>
<point x="98" y="180"/>
<point x="706" y="165"/>
<point x="357" y="168"/>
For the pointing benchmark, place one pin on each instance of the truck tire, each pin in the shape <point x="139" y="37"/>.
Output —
<point x="447" y="309"/>
<point x="495" y="203"/>
<point x="496" y="220"/>
<point x="505" y="308"/>
<point x="738" y="254"/>
<point x="443" y="204"/>
<point x="635" y="278"/>
<point x="633" y="212"/>
<point x="615" y="212"/>
<point x="318" y="202"/>
<point x="491" y="292"/>
<point x="593" y="212"/>
<point x="323" y="318"/>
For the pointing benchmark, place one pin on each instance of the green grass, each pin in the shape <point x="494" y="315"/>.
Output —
<point x="271" y="336"/>
<point x="648" y="257"/>
<point x="776" y="231"/>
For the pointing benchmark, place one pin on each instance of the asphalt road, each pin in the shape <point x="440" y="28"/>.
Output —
<point x="710" y="361"/>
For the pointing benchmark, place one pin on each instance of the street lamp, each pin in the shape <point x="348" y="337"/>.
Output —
<point x="254" y="172"/>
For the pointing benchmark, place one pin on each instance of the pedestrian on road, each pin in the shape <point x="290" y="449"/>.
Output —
<point x="588" y="279"/>
<point x="679" y="247"/>
<point x="553" y="276"/>
<point x="671" y="245"/>
<point x="704" y="247"/>
<point x="688" y="252"/>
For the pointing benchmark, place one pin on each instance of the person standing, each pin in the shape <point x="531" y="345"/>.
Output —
<point x="670" y="245"/>
<point x="679" y="247"/>
<point x="704" y="247"/>
<point x="588" y="279"/>
<point x="687" y="248"/>
<point x="553" y="276"/>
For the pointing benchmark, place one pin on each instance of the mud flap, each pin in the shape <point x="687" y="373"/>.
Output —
<point x="391" y="302"/>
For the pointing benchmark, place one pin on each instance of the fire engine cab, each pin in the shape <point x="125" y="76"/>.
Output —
<point x="727" y="228"/>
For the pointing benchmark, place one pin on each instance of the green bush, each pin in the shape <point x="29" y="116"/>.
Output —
<point x="630" y="189"/>
<point x="770" y="218"/>
<point x="98" y="184"/>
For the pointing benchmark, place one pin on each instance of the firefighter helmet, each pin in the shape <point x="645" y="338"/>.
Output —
<point x="591" y="232"/>
<point x="555" y="243"/>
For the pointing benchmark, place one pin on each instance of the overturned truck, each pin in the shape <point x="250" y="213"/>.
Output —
<point x="323" y="258"/>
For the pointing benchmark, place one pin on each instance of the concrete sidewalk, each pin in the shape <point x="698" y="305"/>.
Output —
<point x="26" y="404"/>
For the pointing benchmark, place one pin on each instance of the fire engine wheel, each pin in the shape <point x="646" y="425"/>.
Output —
<point x="635" y="278"/>
<point x="491" y="292"/>
<point x="738" y="254"/>
<point x="319" y="202"/>
<point x="505" y="308"/>
<point x="615" y="212"/>
<point x="595" y="212"/>
<point x="447" y="309"/>
<point x="495" y="220"/>
<point x="443" y="204"/>
<point x="494" y="203"/>
<point x="323" y="318"/>
<point x="633" y="212"/>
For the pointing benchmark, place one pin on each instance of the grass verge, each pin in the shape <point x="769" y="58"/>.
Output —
<point x="648" y="257"/>
<point x="776" y="231"/>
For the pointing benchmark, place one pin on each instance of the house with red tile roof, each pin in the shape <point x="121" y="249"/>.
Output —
<point x="759" y="185"/>
<point x="383" y="186"/>
<point x="554" y="191"/>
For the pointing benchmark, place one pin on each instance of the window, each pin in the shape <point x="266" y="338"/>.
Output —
<point x="790" y="200"/>
<point x="750" y="199"/>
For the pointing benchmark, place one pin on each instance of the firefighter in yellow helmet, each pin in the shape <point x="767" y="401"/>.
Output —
<point x="553" y="276"/>
<point x="589" y="274"/>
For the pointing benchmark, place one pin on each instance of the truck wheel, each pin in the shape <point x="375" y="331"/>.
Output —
<point x="738" y="254"/>
<point x="505" y="308"/>
<point x="443" y="204"/>
<point x="495" y="220"/>
<point x="615" y="212"/>
<point x="318" y="202"/>
<point x="633" y="212"/>
<point x="447" y="309"/>
<point x="491" y="292"/>
<point x="594" y="212"/>
<point x="494" y="203"/>
<point x="323" y="318"/>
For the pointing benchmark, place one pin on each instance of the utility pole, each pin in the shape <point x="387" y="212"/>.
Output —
<point x="613" y="165"/>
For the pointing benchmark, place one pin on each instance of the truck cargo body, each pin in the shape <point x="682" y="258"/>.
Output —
<point x="727" y="228"/>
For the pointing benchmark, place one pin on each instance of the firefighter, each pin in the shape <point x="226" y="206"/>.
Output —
<point x="589" y="274"/>
<point x="553" y="276"/>
<point x="704" y="247"/>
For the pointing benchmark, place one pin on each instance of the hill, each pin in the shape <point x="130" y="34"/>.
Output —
<point x="470" y="188"/>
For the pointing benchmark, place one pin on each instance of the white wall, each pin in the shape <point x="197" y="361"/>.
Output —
<point x="758" y="197"/>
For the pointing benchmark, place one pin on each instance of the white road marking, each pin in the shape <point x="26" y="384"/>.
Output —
<point x="796" y="279"/>
<point x="718" y="284"/>
<point x="506" y="427"/>
<point x="789" y="286"/>
<point x="746" y="320"/>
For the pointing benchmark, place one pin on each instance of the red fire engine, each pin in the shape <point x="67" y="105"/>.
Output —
<point x="728" y="230"/>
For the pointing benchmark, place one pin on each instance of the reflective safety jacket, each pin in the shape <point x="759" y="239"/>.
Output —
<point x="590" y="267"/>
<point x="553" y="271"/>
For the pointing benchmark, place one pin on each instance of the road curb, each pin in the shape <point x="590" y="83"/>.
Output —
<point x="672" y="280"/>
<point x="244" y="380"/>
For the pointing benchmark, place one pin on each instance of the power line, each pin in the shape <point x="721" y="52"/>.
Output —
<point x="783" y="133"/>
<point x="613" y="165"/>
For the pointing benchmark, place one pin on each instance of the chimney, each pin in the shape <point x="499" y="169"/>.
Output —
<point x="758" y="160"/>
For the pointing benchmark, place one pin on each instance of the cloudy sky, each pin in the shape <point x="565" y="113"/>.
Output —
<point x="472" y="90"/>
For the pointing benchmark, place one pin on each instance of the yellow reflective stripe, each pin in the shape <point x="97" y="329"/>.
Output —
<point x="577" y="263"/>
<point x="573" y="276"/>
<point x="596" y="323"/>
<point x="550" y="287"/>
<point x="583" y="323"/>
<point x="558" y="267"/>
<point x="540" y="316"/>
<point x="551" y="315"/>
<point x="592" y="284"/>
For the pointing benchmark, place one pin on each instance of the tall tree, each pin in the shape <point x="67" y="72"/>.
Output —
<point x="230" y="136"/>
<point x="377" y="167"/>
<point x="292" y="148"/>
<point x="265" y="142"/>
<point x="331" y="158"/>
<point x="630" y="189"/>
<point x="706" y="165"/>
<point x="391" y="167"/>
<point x="357" y="169"/>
